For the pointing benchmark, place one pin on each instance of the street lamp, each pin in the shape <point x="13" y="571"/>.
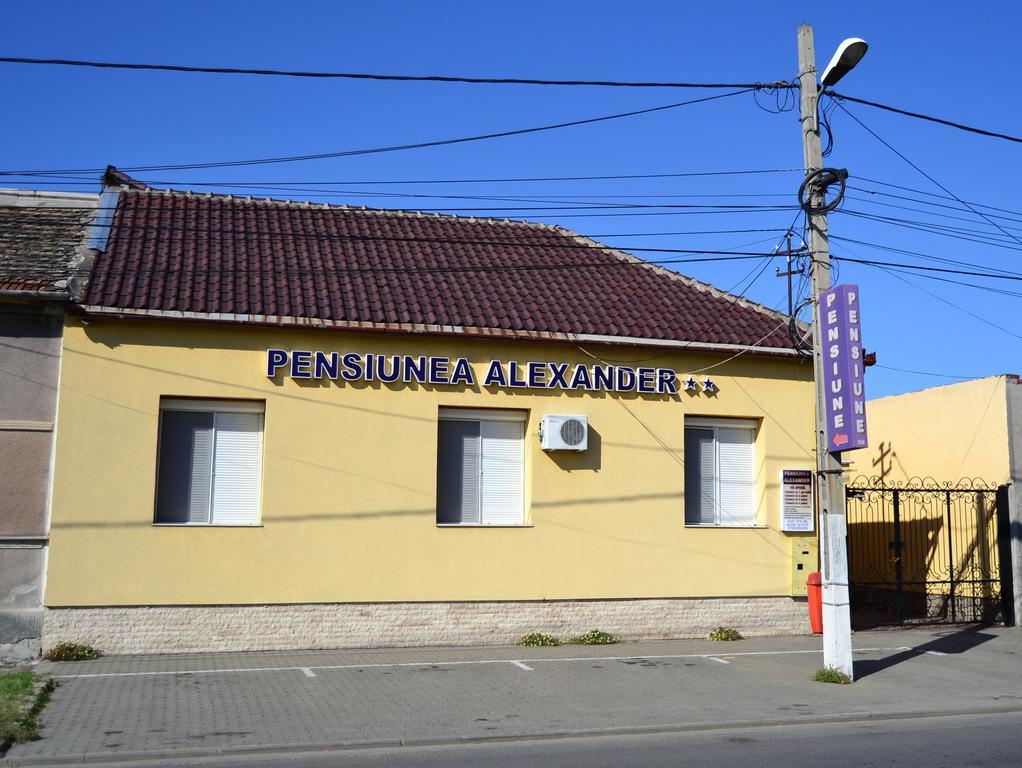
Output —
<point x="847" y="55"/>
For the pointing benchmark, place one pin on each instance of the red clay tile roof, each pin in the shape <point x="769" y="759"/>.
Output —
<point x="188" y="252"/>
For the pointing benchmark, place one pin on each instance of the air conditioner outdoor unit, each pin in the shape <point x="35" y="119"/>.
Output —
<point x="564" y="433"/>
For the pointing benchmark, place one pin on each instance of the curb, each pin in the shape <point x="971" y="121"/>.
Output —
<point x="293" y="749"/>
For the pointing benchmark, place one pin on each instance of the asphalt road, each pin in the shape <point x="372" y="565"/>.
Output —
<point x="976" y="741"/>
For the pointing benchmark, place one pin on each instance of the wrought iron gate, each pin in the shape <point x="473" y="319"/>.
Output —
<point x="927" y="552"/>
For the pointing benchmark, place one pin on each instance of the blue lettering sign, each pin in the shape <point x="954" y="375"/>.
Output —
<point x="300" y="364"/>
<point x="536" y="373"/>
<point x="381" y="368"/>
<point x="581" y="379"/>
<point x="326" y="365"/>
<point x="495" y="375"/>
<point x="647" y="383"/>
<point x="625" y="379"/>
<point x="275" y="360"/>
<point x="415" y="369"/>
<point x="515" y="379"/>
<point x="352" y="362"/>
<point x="438" y="368"/>
<point x="557" y="373"/>
<point x="463" y="373"/>
<point x="424" y="369"/>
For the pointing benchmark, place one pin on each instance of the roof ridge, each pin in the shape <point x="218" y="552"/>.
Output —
<point x="297" y="204"/>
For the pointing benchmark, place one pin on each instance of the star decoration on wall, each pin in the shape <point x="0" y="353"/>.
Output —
<point x="690" y="384"/>
<point x="708" y="385"/>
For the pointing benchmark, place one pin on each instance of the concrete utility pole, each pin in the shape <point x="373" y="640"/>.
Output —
<point x="837" y="629"/>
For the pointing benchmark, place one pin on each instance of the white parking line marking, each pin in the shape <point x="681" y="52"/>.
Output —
<point x="936" y="653"/>
<point x="519" y="664"/>
<point x="719" y="661"/>
<point x="385" y="665"/>
<point x="308" y="672"/>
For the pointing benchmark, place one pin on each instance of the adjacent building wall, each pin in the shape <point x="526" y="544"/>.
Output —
<point x="1013" y="386"/>
<point x="964" y="432"/>
<point x="349" y="492"/>
<point x="29" y="365"/>
<point x="948" y="433"/>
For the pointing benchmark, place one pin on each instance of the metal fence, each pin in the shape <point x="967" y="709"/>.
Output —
<point x="926" y="552"/>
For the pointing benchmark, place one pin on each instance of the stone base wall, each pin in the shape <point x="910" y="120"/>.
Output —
<point x="19" y="634"/>
<point x="182" y="629"/>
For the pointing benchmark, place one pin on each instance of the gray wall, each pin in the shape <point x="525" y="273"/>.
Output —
<point x="30" y="337"/>
<point x="1014" y="392"/>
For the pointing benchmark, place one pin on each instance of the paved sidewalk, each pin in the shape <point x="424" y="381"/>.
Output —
<point x="195" y="704"/>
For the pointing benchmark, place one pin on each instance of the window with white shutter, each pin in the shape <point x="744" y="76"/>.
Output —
<point x="720" y="472"/>
<point x="209" y="465"/>
<point x="480" y="467"/>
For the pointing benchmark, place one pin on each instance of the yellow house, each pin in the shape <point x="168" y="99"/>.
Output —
<point x="292" y="425"/>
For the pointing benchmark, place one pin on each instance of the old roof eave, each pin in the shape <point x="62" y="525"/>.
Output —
<point x="307" y="323"/>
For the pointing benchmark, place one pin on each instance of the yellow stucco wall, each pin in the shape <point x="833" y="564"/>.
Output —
<point x="947" y="433"/>
<point x="349" y="479"/>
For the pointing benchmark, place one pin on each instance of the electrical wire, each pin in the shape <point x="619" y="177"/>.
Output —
<point x="391" y="148"/>
<point x="943" y="216"/>
<point x="921" y="268"/>
<point x="608" y="199"/>
<point x="785" y="98"/>
<point x="953" y="305"/>
<point x="887" y="144"/>
<point x="930" y="202"/>
<point x="742" y="352"/>
<point x="963" y="310"/>
<point x="624" y="206"/>
<point x="982" y="131"/>
<point x="937" y="225"/>
<point x="919" y="254"/>
<point x="926" y="373"/>
<point x="933" y="194"/>
<point x="777" y="85"/>
<point x="751" y="277"/>
<point x="506" y="180"/>
<point x="915" y="226"/>
<point x="966" y="284"/>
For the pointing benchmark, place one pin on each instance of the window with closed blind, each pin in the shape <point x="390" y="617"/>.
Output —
<point x="209" y="464"/>
<point x="720" y="472"/>
<point x="480" y="468"/>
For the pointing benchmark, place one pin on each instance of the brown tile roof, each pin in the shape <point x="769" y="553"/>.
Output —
<point x="41" y="236"/>
<point x="172" y="251"/>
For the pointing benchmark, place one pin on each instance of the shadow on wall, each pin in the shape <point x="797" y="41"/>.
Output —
<point x="883" y="464"/>
<point x="590" y="459"/>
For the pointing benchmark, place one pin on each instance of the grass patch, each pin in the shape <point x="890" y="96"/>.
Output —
<point x="537" y="639"/>
<point x="595" y="637"/>
<point x="831" y="675"/>
<point x="72" y="652"/>
<point x="725" y="634"/>
<point x="22" y="697"/>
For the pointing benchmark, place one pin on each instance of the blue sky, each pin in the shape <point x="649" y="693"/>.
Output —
<point x="950" y="59"/>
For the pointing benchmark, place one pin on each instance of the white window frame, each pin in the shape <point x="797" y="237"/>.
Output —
<point x="715" y="424"/>
<point x="479" y="416"/>
<point x="214" y="407"/>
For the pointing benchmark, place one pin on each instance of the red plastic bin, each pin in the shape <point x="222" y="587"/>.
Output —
<point x="814" y="588"/>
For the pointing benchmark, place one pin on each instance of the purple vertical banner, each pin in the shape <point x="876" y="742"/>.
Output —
<point x="844" y="405"/>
